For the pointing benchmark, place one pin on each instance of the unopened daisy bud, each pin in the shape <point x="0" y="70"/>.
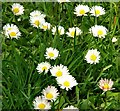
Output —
<point x="81" y="10"/>
<point x="92" y="56"/>
<point x="41" y="103"/>
<point x="74" y="30"/>
<point x="66" y="82"/>
<point x="114" y="39"/>
<point x="43" y="66"/>
<point x="59" y="70"/>
<point x="17" y="9"/>
<point x="105" y="84"/>
<point x="60" y="30"/>
<point x="97" y="11"/>
<point x="50" y="93"/>
<point x="51" y="53"/>
<point x="98" y="31"/>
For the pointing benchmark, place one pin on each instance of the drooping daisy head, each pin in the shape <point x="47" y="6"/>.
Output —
<point x="43" y="66"/>
<point x="45" y="26"/>
<point x="106" y="84"/>
<point x="61" y="1"/>
<point x="114" y="39"/>
<point x="37" y="13"/>
<point x="74" y="30"/>
<point x="61" y="30"/>
<point x="37" y="21"/>
<point x="81" y="10"/>
<point x="11" y="31"/>
<point x="17" y="9"/>
<point x="71" y="108"/>
<point x="50" y="93"/>
<point x="59" y="70"/>
<point x="97" y="11"/>
<point x="51" y="53"/>
<point x="41" y="103"/>
<point x="98" y="31"/>
<point x="92" y="56"/>
<point x="66" y="82"/>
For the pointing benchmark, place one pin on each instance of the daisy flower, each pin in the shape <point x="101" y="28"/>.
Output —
<point x="17" y="9"/>
<point x="41" y="103"/>
<point x="97" y="11"/>
<point x="114" y="39"/>
<point x="66" y="82"/>
<point x="45" y="26"/>
<point x="81" y="10"/>
<point x="70" y="107"/>
<point x="98" y="31"/>
<point x="50" y="93"/>
<point x="92" y="56"/>
<point x="72" y="31"/>
<point x="37" y="13"/>
<point x="51" y="53"/>
<point x="106" y="84"/>
<point x="43" y="66"/>
<point x="37" y="21"/>
<point x="59" y="70"/>
<point x="61" y="30"/>
<point x="61" y="1"/>
<point x="11" y="31"/>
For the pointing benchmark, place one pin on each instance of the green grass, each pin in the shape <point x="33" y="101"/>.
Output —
<point x="21" y="82"/>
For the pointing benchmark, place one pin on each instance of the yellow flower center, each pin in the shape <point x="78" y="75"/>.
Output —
<point x="82" y="11"/>
<point x="59" y="31"/>
<point x="58" y="73"/>
<point x="37" y="22"/>
<point x="66" y="83"/>
<point x="100" y="32"/>
<point x="93" y="57"/>
<point x="51" y="54"/>
<point x="41" y="105"/>
<point x="12" y="33"/>
<point x="44" y="68"/>
<point x="106" y="86"/>
<point x="72" y="33"/>
<point x="45" y="26"/>
<point x="49" y="95"/>
<point x="16" y="10"/>
<point x="97" y="12"/>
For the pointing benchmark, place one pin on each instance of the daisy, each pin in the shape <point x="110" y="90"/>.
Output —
<point x="43" y="66"/>
<point x="97" y="11"/>
<point x="61" y="1"/>
<point x="59" y="70"/>
<point x="61" y="30"/>
<point x="72" y="31"/>
<point x="81" y="10"/>
<point x="37" y="21"/>
<point x="17" y="9"/>
<point x="37" y="13"/>
<point x="11" y="31"/>
<point x="51" y="53"/>
<point x="92" y="56"/>
<point x="41" y="103"/>
<point x="70" y="108"/>
<point x="114" y="39"/>
<point x="66" y="82"/>
<point x="98" y="31"/>
<point x="45" y="26"/>
<point x="50" y="93"/>
<point x="106" y="84"/>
